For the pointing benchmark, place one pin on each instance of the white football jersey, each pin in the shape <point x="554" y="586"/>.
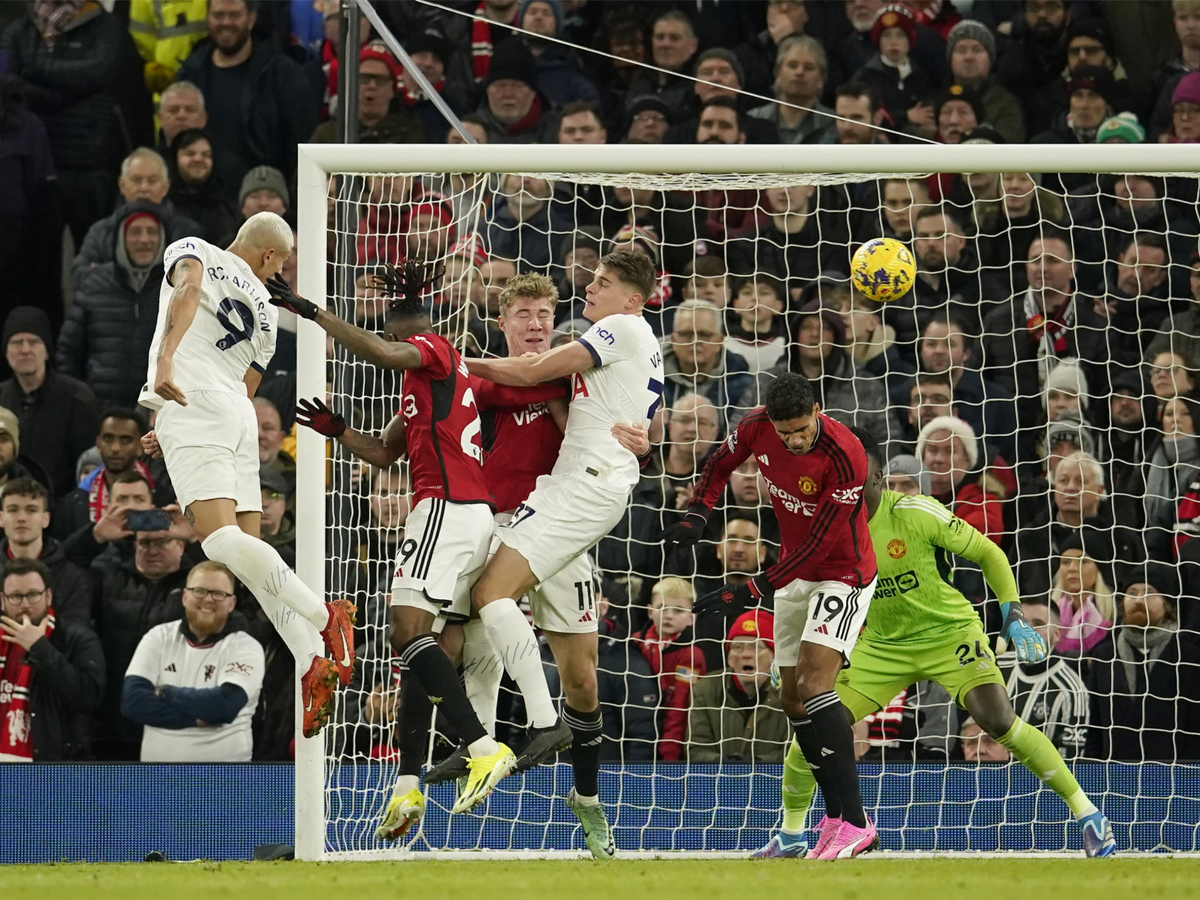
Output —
<point x="625" y="386"/>
<point x="235" y="325"/>
<point x="165" y="656"/>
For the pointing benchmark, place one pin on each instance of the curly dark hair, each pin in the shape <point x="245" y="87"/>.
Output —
<point x="790" y="396"/>
<point x="406" y="282"/>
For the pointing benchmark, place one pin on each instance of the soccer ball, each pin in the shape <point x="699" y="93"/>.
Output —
<point x="883" y="269"/>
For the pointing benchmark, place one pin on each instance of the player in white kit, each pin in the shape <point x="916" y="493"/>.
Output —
<point x="616" y="377"/>
<point x="215" y="336"/>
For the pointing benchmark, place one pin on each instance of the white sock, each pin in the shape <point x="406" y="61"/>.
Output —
<point x="404" y="784"/>
<point x="485" y="746"/>
<point x="293" y="609"/>
<point x="517" y="645"/>
<point x="482" y="672"/>
<point x="587" y="801"/>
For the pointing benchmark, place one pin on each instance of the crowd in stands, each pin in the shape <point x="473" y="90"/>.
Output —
<point x="1042" y="378"/>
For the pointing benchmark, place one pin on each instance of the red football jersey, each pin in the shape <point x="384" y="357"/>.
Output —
<point x="525" y="439"/>
<point x="445" y="449"/>
<point x="817" y="498"/>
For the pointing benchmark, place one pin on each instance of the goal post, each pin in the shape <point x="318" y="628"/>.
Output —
<point x="674" y="807"/>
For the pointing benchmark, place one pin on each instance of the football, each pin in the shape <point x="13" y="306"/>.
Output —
<point x="883" y="269"/>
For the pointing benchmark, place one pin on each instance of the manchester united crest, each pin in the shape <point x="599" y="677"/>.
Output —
<point x="896" y="548"/>
<point x="808" y="487"/>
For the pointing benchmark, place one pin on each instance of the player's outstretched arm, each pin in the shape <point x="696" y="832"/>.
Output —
<point x="521" y="371"/>
<point x="378" y="451"/>
<point x="185" y="275"/>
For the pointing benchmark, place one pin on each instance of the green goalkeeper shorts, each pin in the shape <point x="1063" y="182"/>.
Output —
<point x="879" y="670"/>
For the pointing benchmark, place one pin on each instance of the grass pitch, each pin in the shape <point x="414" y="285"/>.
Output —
<point x="875" y="878"/>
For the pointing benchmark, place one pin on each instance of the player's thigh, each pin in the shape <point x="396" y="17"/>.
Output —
<point x="960" y="662"/>
<point x="245" y="460"/>
<point x="200" y="448"/>
<point x="791" y="612"/>
<point x="837" y="613"/>
<point x="444" y="543"/>
<point x="562" y="518"/>
<point x="876" y="674"/>
<point x="565" y="602"/>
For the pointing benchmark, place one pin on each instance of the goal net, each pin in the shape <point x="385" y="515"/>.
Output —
<point x="1055" y="320"/>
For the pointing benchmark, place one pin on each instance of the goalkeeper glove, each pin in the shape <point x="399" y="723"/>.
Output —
<point x="320" y="418"/>
<point x="775" y="677"/>
<point x="685" y="532"/>
<point x="735" y="599"/>
<point x="1027" y="642"/>
<point x="285" y="298"/>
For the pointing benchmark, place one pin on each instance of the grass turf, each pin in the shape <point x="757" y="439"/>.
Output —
<point x="993" y="879"/>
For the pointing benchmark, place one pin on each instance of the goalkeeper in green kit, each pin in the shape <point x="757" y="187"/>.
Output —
<point x="920" y="627"/>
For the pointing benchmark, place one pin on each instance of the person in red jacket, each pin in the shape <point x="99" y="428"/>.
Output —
<point x="668" y="646"/>
<point x="949" y="452"/>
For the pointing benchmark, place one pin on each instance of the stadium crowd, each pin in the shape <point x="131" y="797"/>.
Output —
<point x="1042" y="378"/>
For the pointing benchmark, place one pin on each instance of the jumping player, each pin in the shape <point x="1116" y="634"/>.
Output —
<point x="451" y="521"/>
<point x="617" y="379"/>
<point x="214" y="338"/>
<point x="921" y="627"/>
<point x="821" y="586"/>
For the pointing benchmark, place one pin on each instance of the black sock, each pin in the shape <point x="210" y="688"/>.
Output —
<point x="428" y="663"/>
<point x="836" y="742"/>
<point x="810" y="746"/>
<point x="588" y="729"/>
<point x="412" y="720"/>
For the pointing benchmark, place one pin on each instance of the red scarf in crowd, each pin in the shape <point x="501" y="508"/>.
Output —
<point x="1052" y="330"/>
<point x="481" y="42"/>
<point x="411" y="100"/>
<point x="98" y="490"/>
<point x="16" y="731"/>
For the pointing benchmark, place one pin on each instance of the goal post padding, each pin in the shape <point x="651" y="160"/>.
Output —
<point x="340" y="792"/>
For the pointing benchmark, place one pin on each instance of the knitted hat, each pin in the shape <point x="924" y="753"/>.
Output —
<point x="270" y="480"/>
<point x="971" y="30"/>
<point x="430" y="203"/>
<point x="647" y="102"/>
<point x="1123" y="127"/>
<point x="956" y="427"/>
<point x="894" y="16"/>
<point x="512" y="61"/>
<point x="1068" y="378"/>
<point x="264" y="178"/>
<point x="89" y="457"/>
<point x="8" y="422"/>
<point x="829" y="317"/>
<point x="984" y="134"/>
<point x="554" y="8"/>
<point x="430" y="40"/>
<point x="1163" y="578"/>
<point x="910" y="467"/>
<point x="1188" y="89"/>
<point x="965" y="94"/>
<point x="1093" y="78"/>
<point x="29" y="320"/>
<point x="757" y="623"/>
<point x="138" y="214"/>
<point x="1087" y="26"/>
<point x="1128" y="382"/>
<point x="728" y="56"/>
<point x="378" y="51"/>
<point x="1070" y="427"/>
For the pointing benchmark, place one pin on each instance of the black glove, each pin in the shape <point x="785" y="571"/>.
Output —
<point x="320" y="418"/>
<point x="685" y="532"/>
<point x="285" y="298"/>
<point x="735" y="599"/>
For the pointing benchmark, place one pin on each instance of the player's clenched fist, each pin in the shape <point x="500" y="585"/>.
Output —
<point x="320" y="418"/>
<point x="285" y="298"/>
<point x="735" y="599"/>
<point x="685" y="532"/>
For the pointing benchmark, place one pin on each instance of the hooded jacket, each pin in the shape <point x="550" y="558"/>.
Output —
<point x="100" y="245"/>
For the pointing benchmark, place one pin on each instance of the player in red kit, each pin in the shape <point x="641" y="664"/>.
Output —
<point x="821" y="587"/>
<point x="448" y="533"/>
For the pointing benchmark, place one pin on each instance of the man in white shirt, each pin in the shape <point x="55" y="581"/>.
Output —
<point x="195" y="684"/>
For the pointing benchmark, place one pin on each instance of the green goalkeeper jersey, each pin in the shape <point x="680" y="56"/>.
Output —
<point x="914" y="599"/>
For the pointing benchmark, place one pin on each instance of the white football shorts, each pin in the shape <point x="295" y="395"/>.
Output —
<point x="443" y="553"/>
<point x="566" y="601"/>
<point x="210" y="447"/>
<point x="829" y="613"/>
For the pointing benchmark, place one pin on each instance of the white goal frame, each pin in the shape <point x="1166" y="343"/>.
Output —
<point x="807" y="162"/>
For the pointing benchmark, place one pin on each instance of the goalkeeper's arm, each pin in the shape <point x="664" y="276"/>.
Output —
<point x="999" y="576"/>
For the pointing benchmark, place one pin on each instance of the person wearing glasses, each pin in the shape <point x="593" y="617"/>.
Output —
<point x="51" y="671"/>
<point x="195" y="684"/>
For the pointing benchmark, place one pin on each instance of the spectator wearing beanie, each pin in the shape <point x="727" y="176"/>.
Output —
<point x="379" y="120"/>
<point x="1123" y="128"/>
<point x="512" y="110"/>
<point x="948" y="449"/>
<point x="723" y="70"/>
<point x="264" y="189"/>
<point x="893" y="71"/>
<point x="560" y="77"/>
<point x="736" y="716"/>
<point x="446" y="71"/>
<point x="56" y="413"/>
<point x="1090" y="98"/>
<point x="1162" y="88"/>
<point x="1185" y="112"/>
<point x="971" y="51"/>
<point x="106" y="338"/>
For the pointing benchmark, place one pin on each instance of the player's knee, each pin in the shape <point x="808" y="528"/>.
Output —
<point x="792" y="707"/>
<point x="581" y="688"/>
<point x="996" y="722"/>
<point x="810" y="682"/>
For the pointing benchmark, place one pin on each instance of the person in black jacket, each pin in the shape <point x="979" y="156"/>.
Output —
<point x="106" y="338"/>
<point x="24" y="516"/>
<point x="119" y="441"/>
<point x="57" y="413"/>
<point x="260" y="102"/>
<point x="58" y="661"/>
<point x="80" y="73"/>
<point x="196" y="187"/>
<point x="132" y="596"/>
<point x="1145" y="702"/>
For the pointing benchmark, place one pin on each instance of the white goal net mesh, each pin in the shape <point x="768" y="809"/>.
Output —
<point x="1055" y="318"/>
